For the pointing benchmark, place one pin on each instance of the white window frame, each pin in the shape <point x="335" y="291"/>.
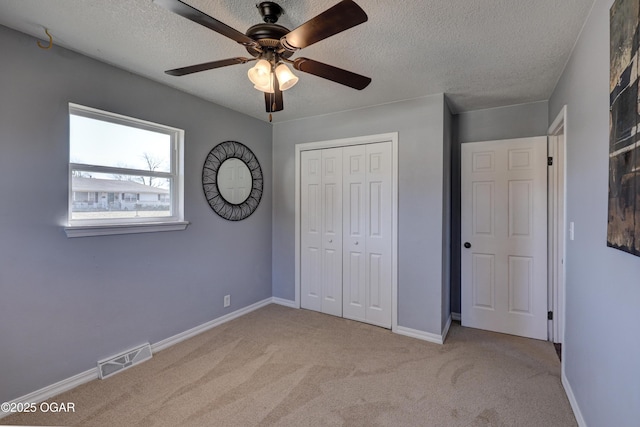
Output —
<point x="100" y="227"/>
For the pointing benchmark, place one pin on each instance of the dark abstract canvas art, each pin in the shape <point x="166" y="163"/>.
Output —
<point x="623" y="231"/>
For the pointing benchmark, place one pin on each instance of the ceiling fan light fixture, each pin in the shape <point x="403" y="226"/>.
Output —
<point x="267" y="86"/>
<point x="260" y="74"/>
<point x="286" y="79"/>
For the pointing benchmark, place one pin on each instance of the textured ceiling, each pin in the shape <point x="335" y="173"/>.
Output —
<point x="481" y="53"/>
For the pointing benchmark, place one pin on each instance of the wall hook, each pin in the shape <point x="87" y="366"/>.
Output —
<point x="41" y="46"/>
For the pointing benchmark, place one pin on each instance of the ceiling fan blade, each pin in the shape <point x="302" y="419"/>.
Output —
<point x="332" y="73"/>
<point x="206" y="66"/>
<point x="180" y="8"/>
<point x="274" y="101"/>
<point x="334" y="20"/>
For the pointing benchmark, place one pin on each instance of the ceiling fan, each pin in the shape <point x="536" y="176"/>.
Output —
<point x="271" y="45"/>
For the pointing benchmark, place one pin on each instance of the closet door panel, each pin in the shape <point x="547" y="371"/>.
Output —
<point x="354" y="232"/>
<point x="332" y="231"/>
<point x="311" y="230"/>
<point x="378" y="233"/>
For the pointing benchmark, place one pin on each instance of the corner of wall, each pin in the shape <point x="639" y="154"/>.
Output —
<point x="447" y="137"/>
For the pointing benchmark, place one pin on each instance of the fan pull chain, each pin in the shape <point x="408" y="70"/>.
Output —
<point x="273" y="105"/>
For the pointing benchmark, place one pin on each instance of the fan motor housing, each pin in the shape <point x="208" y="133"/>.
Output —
<point x="268" y="35"/>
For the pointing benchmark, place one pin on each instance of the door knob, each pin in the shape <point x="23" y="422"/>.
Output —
<point x="467" y="245"/>
<point x="330" y="240"/>
<point x="356" y="243"/>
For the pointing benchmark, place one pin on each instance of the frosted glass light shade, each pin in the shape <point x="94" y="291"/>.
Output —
<point x="260" y="73"/>
<point x="268" y="86"/>
<point x="286" y="79"/>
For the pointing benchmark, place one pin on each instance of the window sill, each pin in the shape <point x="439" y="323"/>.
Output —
<point x="107" y="230"/>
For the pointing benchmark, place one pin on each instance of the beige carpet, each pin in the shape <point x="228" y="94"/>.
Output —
<point x="279" y="366"/>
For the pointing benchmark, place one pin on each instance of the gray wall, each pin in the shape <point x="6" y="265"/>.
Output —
<point x="65" y="303"/>
<point x="420" y="126"/>
<point x="514" y="121"/>
<point x="602" y="339"/>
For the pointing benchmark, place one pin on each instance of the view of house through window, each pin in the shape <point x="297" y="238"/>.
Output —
<point x="122" y="170"/>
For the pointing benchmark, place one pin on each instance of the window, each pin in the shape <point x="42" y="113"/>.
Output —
<point x="125" y="174"/>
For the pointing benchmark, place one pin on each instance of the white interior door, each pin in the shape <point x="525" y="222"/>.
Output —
<point x="321" y="230"/>
<point x="367" y="206"/>
<point x="504" y="235"/>
<point x="346" y="205"/>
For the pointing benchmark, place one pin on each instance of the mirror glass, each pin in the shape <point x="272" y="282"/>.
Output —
<point x="234" y="181"/>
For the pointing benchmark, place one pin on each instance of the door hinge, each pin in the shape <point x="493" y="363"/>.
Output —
<point x="549" y="315"/>
<point x="550" y="161"/>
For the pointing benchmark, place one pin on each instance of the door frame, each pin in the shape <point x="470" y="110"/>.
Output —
<point x="557" y="135"/>
<point x="345" y="142"/>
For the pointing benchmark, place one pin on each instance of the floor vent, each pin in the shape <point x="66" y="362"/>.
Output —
<point x="115" y="364"/>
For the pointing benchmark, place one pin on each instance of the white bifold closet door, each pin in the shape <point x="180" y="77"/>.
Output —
<point x="346" y="232"/>
<point x="321" y="222"/>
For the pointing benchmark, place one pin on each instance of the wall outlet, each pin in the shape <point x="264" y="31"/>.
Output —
<point x="227" y="300"/>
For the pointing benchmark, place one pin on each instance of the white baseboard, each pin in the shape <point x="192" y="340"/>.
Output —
<point x="168" y="342"/>
<point x="456" y="316"/>
<point x="572" y="400"/>
<point x="55" y="389"/>
<point x="285" y="302"/>
<point x="92" y="374"/>
<point x="421" y="335"/>
<point x="445" y="330"/>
